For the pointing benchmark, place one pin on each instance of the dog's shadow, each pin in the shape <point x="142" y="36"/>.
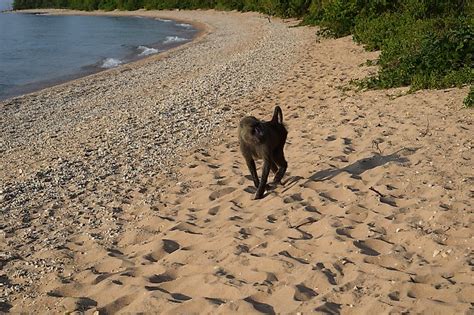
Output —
<point x="357" y="168"/>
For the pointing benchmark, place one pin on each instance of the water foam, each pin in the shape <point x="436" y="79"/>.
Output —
<point x="111" y="63"/>
<point x="173" y="39"/>
<point x="145" y="51"/>
<point x="163" y="20"/>
<point x="185" y="25"/>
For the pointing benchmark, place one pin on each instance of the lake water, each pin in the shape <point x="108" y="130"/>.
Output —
<point x="39" y="50"/>
<point x="6" y="4"/>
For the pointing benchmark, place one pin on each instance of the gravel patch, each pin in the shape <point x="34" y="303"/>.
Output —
<point x="73" y="153"/>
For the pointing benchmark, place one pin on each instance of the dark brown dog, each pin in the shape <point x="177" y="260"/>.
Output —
<point x="264" y="140"/>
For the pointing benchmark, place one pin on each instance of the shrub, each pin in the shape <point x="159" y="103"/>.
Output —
<point x="373" y="31"/>
<point x="337" y="17"/>
<point x="433" y="53"/>
<point x="298" y="8"/>
<point x="107" y="5"/>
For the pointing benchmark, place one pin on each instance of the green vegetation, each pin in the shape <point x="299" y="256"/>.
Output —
<point x="281" y="8"/>
<point x="423" y="43"/>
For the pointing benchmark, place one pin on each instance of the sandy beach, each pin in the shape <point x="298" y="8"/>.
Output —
<point x="125" y="191"/>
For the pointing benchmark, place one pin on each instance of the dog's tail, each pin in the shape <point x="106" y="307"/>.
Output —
<point x="277" y="115"/>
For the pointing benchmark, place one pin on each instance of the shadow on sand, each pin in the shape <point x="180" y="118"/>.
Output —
<point x="362" y="165"/>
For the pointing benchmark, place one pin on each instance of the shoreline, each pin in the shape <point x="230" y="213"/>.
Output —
<point x="201" y="31"/>
<point x="127" y="192"/>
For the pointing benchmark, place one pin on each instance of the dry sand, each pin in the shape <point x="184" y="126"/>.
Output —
<point x="99" y="214"/>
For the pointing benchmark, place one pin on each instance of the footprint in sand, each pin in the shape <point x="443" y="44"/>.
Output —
<point x="223" y="182"/>
<point x="118" y="304"/>
<point x="345" y="231"/>
<point x="77" y="304"/>
<point x="168" y="247"/>
<point x="394" y="296"/>
<point x="325" y="196"/>
<point x="155" y="288"/>
<point x="304" y="235"/>
<point x="241" y="248"/>
<point x="340" y="158"/>
<point x="114" y="252"/>
<point x="213" y="210"/>
<point x="175" y="297"/>
<point x="357" y="213"/>
<point x="261" y="307"/>
<point x="244" y="233"/>
<point x="387" y="261"/>
<point x="179" y="297"/>
<point x="271" y="218"/>
<point x="215" y="301"/>
<point x="303" y="293"/>
<point x="293" y="198"/>
<point x="55" y="293"/>
<point x="203" y="152"/>
<point x="365" y="249"/>
<point x="222" y="192"/>
<point x="85" y="303"/>
<point x="151" y="257"/>
<point x="348" y="150"/>
<point x="329" y="308"/>
<point x="373" y="247"/>
<point x="187" y="227"/>
<point x="164" y="277"/>
<point x="288" y="255"/>
<point x="310" y="208"/>
<point x="331" y="276"/>
<point x="250" y="189"/>
<point x="102" y="277"/>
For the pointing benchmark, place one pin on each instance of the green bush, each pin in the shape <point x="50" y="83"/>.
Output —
<point x="373" y="31"/>
<point x="432" y="53"/>
<point x="298" y="8"/>
<point x="337" y="17"/>
<point x="424" y="44"/>
<point x="107" y="5"/>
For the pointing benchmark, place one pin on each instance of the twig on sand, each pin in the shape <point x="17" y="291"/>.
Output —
<point x="377" y="192"/>
<point x="375" y="144"/>
<point x="424" y="133"/>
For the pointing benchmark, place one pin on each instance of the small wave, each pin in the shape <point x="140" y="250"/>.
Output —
<point x="163" y="20"/>
<point x="185" y="25"/>
<point x="173" y="39"/>
<point x="111" y="63"/>
<point x="145" y="51"/>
